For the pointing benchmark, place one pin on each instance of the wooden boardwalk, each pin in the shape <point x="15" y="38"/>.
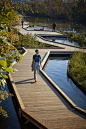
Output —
<point x="66" y="47"/>
<point x="63" y="46"/>
<point x="43" y="105"/>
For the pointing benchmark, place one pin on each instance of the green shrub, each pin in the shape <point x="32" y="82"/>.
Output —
<point x="31" y="25"/>
<point x="77" y="67"/>
<point x="76" y="36"/>
<point x="28" y="41"/>
<point x="81" y="38"/>
<point x="71" y="35"/>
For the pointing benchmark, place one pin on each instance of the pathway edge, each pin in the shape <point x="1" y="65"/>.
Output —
<point x="61" y="92"/>
<point x="16" y="92"/>
<point x="14" y="86"/>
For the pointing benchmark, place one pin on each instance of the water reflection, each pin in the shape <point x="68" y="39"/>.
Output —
<point x="61" y="25"/>
<point x="11" y="122"/>
<point x="57" y="70"/>
<point x="63" y="40"/>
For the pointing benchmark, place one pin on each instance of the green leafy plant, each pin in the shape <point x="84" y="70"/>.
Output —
<point x="31" y="25"/>
<point x="28" y="41"/>
<point x="77" y="67"/>
<point x="81" y="38"/>
<point x="8" y="20"/>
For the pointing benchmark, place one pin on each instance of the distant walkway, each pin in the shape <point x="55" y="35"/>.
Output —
<point x="40" y="102"/>
<point x="63" y="46"/>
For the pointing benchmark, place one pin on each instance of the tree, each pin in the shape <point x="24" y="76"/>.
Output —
<point x="8" y="20"/>
<point x="58" y="6"/>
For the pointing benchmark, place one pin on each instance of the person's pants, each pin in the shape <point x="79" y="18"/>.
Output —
<point x="36" y="69"/>
<point x="54" y="29"/>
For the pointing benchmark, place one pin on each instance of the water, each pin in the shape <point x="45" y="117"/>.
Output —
<point x="63" y="40"/>
<point x="11" y="122"/>
<point x="61" y="25"/>
<point x="56" y="69"/>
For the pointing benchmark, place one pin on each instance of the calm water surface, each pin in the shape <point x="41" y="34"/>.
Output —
<point x="56" y="69"/>
<point x="64" y="41"/>
<point x="61" y="25"/>
<point x="11" y="122"/>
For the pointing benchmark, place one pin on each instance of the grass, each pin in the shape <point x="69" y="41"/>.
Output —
<point x="77" y="67"/>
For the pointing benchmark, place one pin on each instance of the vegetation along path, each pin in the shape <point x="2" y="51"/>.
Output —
<point x="63" y="46"/>
<point x="40" y="102"/>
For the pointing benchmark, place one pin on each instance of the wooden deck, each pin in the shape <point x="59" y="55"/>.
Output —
<point x="59" y="45"/>
<point x="66" y="47"/>
<point x="43" y="105"/>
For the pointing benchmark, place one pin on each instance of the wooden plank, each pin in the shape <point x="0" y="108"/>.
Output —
<point x="40" y="101"/>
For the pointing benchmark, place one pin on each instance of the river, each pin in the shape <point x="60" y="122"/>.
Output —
<point x="11" y="122"/>
<point x="61" y="25"/>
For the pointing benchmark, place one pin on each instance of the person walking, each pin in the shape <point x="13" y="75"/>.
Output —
<point x="54" y="25"/>
<point x="36" y="62"/>
<point x="22" y="22"/>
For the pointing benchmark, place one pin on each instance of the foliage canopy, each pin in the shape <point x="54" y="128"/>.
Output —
<point x="8" y="20"/>
<point x="63" y="9"/>
<point x="28" y="41"/>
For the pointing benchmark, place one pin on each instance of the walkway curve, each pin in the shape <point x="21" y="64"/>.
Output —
<point x="38" y="38"/>
<point x="43" y="105"/>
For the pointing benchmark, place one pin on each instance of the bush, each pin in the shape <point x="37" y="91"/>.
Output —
<point x="81" y="38"/>
<point x="71" y="34"/>
<point x="28" y="41"/>
<point x="77" y="67"/>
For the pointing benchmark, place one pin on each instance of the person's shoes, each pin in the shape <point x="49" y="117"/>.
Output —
<point x="35" y="80"/>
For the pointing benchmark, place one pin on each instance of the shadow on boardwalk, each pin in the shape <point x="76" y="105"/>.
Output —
<point x="25" y="81"/>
